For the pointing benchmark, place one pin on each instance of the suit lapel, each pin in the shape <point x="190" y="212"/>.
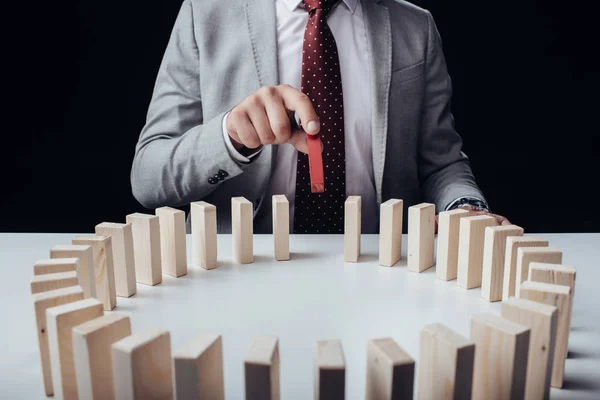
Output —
<point x="262" y="29"/>
<point x="379" y="41"/>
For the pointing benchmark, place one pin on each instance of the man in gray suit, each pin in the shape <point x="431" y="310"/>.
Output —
<point x="235" y="102"/>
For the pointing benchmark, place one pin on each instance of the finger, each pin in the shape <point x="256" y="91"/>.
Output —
<point x="279" y="120"/>
<point x="244" y="129"/>
<point x="299" y="141"/>
<point x="502" y="220"/>
<point x="261" y="124"/>
<point x="295" y="100"/>
<point x="499" y="218"/>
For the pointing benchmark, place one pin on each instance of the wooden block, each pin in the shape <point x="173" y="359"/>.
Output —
<point x="146" y="248"/>
<point x="447" y="243"/>
<point x="199" y="369"/>
<point x="446" y="362"/>
<point x="390" y="371"/>
<point x="59" y="280"/>
<point x="142" y="366"/>
<point x="92" y="343"/>
<point x="526" y="255"/>
<point x="390" y="232"/>
<point x="330" y="379"/>
<point x="510" y="260"/>
<point x="60" y="322"/>
<point x="352" y="216"/>
<point x="42" y="302"/>
<point x="560" y="297"/>
<point x="86" y="265"/>
<point x="470" y="250"/>
<point x="541" y="319"/>
<point x="500" y="367"/>
<point x="124" y="264"/>
<point x="103" y="267"/>
<point x="421" y="235"/>
<point x="55" y="265"/>
<point x="557" y="274"/>
<point x="281" y="227"/>
<point x="494" y="252"/>
<point x="262" y="369"/>
<point x="242" y="230"/>
<point x="173" y="248"/>
<point x="204" y="234"/>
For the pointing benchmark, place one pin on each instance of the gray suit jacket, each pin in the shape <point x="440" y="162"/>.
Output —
<point x="222" y="51"/>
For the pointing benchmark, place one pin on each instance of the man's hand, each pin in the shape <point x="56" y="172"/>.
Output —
<point x="473" y="213"/>
<point x="266" y="117"/>
<point x="499" y="218"/>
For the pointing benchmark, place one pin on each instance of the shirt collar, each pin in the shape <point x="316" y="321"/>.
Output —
<point x="293" y="4"/>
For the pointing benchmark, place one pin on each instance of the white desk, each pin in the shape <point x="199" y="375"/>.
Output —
<point x="314" y="296"/>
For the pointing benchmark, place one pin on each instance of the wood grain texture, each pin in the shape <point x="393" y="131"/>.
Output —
<point x="526" y="255"/>
<point x="199" y="369"/>
<point x="557" y="274"/>
<point x="59" y="280"/>
<point x="86" y="265"/>
<point x="447" y="243"/>
<point x="281" y="227"/>
<point x="494" y="252"/>
<point x="421" y="237"/>
<point x="242" y="230"/>
<point x="446" y="361"/>
<point x="92" y="343"/>
<point x="123" y="261"/>
<point x="61" y="320"/>
<point x="330" y="371"/>
<point x="541" y="319"/>
<point x="500" y="367"/>
<point x="261" y="367"/>
<point x="173" y="248"/>
<point x="142" y="366"/>
<point x="204" y="234"/>
<point x="42" y="302"/>
<point x="510" y="260"/>
<point x="470" y="250"/>
<point x="390" y="232"/>
<point x="146" y="248"/>
<point x="352" y="219"/>
<point x="55" y="265"/>
<point x="390" y="371"/>
<point x="104" y="272"/>
<point x="560" y="297"/>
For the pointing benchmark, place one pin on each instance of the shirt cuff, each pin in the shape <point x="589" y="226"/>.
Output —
<point x="231" y="149"/>
<point x="468" y="200"/>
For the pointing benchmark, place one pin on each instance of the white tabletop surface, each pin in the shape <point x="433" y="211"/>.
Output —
<point x="313" y="296"/>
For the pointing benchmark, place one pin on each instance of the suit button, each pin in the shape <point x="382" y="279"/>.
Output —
<point x="212" y="181"/>
<point x="222" y="174"/>
<point x="218" y="177"/>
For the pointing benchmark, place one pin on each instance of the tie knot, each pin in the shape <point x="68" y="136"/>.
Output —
<point x="325" y="5"/>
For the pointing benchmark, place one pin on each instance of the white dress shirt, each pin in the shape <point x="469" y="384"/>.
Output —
<point x="347" y="25"/>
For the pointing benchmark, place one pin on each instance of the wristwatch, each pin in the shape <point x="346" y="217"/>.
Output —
<point x="470" y="203"/>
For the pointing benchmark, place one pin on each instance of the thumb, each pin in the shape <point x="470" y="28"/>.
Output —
<point x="299" y="141"/>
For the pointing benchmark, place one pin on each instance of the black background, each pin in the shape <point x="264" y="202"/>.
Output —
<point x="82" y="74"/>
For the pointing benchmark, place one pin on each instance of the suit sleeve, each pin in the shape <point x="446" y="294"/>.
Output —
<point x="178" y="152"/>
<point x="444" y="170"/>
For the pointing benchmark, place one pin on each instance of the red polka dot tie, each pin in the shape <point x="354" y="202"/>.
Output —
<point x="322" y="83"/>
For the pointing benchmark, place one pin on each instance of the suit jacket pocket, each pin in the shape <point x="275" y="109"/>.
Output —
<point x="407" y="73"/>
